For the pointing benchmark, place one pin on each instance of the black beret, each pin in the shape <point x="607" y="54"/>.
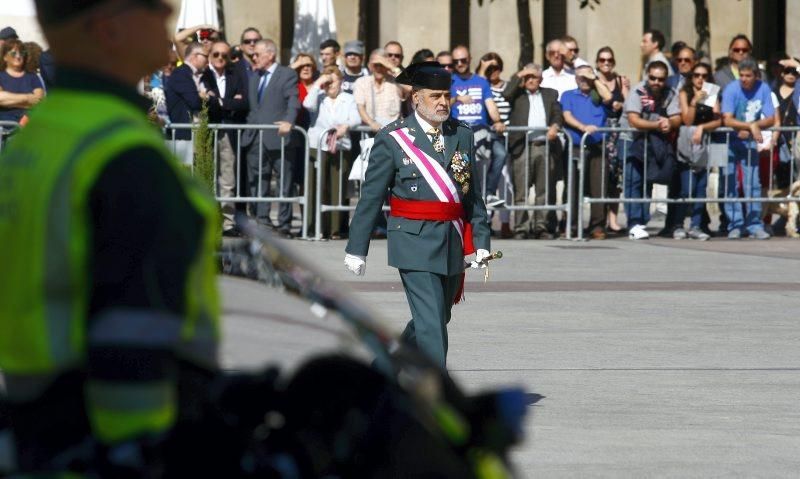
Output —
<point x="52" y="12"/>
<point x="430" y="75"/>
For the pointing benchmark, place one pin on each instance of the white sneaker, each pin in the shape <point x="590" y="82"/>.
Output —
<point x="494" y="201"/>
<point x="638" y="233"/>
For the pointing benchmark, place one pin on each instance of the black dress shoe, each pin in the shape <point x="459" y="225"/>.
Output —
<point x="232" y="233"/>
<point x="285" y="234"/>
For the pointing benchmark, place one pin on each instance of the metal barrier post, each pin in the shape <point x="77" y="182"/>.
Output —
<point x="581" y="184"/>
<point x="318" y="209"/>
<point x="570" y="188"/>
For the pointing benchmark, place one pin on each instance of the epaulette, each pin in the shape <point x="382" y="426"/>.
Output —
<point x="399" y="123"/>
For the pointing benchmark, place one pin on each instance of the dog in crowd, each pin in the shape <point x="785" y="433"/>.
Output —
<point x="788" y="210"/>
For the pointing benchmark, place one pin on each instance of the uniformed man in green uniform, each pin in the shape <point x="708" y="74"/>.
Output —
<point x="426" y="161"/>
<point x="109" y="310"/>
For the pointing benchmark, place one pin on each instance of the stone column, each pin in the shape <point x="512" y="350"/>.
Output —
<point x="416" y="24"/>
<point x="726" y="19"/>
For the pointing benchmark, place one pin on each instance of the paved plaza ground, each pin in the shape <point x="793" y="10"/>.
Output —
<point x="658" y="358"/>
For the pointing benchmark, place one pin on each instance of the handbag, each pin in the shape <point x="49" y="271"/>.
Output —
<point x="359" y="170"/>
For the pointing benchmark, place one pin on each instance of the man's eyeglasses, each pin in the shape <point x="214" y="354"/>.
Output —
<point x="656" y="79"/>
<point x="250" y="41"/>
<point x="605" y="60"/>
<point x="740" y="50"/>
<point x="575" y="50"/>
<point x="553" y="54"/>
<point x="460" y="60"/>
<point x="219" y="55"/>
<point x="683" y="60"/>
<point x="395" y="55"/>
<point x="446" y="66"/>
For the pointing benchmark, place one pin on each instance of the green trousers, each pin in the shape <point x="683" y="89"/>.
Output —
<point x="430" y="297"/>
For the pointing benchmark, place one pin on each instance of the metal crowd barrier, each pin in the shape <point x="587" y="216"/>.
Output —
<point x="323" y="205"/>
<point x="718" y="160"/>
<point x="326" y="205"/>
<point x="239" y="151"/>
<point x="533" y="134"/>
<point x="7" y="128"/>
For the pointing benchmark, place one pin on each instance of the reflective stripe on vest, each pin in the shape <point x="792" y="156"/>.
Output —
<point x="46" y="174"/>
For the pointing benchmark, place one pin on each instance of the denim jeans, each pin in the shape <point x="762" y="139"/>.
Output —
<point x="499" y="156"/>
<point x="636" y="187"/>
<point x="747" y="159"/>
<point x="693" y="185"/>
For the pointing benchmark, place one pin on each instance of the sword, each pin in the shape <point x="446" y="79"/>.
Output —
<point x="492" y="256"/>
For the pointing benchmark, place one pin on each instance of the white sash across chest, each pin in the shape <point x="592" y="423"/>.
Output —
<point x="432" y="171"/>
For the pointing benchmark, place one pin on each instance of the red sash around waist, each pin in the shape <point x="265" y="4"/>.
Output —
<point x="433" y="211"/>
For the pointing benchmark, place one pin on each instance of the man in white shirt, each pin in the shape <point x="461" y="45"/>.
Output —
<point x="652" y="43"/>
<point x="557" y="76"/>
<point x="226" y="88"/>
<point x="535" y="107"/>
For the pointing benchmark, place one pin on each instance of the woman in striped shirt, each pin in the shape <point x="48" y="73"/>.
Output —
<point x="498" y="180"/>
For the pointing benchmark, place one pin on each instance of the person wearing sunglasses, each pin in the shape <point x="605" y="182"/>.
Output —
<point x="653" y="42"/>
<point x="185" y="93"/>
<point x="570" y="52"/>
<point x="247" y="42"/>
<point x="227" y="104"/>
<point x="652" y="108"/>
<point x="394" y="52"/>
<point x="110" y="268"/>
<point x="19" y="89"/>
<point x="739" y="49"/>
<point x="700" y="114"/>
<point x="684" y="59"/>
<point x="788" y="95"/>
<point x="619" y="86"/>
<point x="445" y="59"/>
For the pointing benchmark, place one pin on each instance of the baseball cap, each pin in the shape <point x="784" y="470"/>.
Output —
<point x="8" y="33"/>
<point x="354" y="46"/>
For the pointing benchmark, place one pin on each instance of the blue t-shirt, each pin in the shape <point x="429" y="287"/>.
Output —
<point x="24" y="84"/>
<point x="587" y="110"/>
<point x="749" y="106"/>
<point x="479" y="89"/>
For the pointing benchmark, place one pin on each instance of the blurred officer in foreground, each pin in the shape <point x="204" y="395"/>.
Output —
<point x="109" y="311"/>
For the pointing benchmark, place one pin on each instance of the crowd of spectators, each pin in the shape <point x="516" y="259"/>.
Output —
<point x="673" y="110"/>
<point x="671" y="115"/>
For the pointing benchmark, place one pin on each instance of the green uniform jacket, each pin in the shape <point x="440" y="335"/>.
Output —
<point x="419" y="245"/>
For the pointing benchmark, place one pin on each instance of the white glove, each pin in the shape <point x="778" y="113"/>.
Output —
<point x="480" y="259"/>
<point x="355" y="263"/>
